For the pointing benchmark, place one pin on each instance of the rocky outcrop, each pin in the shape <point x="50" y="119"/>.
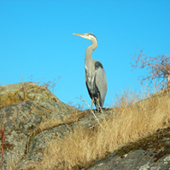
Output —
<point x="151" y="153"/>
<point x="32" y="116"/>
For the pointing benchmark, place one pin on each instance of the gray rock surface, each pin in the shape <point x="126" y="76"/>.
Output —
<point x="151" y="153"/>
<point x="32" y="116"/>
<point x="24" y="108"/>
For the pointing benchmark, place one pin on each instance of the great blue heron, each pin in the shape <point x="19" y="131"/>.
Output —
<point x="95" y="76"/>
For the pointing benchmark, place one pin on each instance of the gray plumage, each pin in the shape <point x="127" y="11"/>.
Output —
<point x="95" y="76"/>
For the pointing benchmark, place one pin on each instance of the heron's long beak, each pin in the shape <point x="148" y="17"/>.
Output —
<point x="78" y="34"/>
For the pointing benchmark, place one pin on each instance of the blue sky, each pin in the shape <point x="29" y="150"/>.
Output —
<point x="36" y="39"/>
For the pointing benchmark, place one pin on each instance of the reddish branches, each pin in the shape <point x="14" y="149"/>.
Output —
<point x="2" y="135"/>
<point x="158" y="67"/>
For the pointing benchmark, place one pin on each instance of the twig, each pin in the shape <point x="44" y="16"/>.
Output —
<point x="23" y="86"/>
<point x="93" y="114"/>
<point x="2" y="133"/>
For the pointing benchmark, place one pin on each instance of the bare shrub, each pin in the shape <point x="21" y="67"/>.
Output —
<point x="158" y="67"/>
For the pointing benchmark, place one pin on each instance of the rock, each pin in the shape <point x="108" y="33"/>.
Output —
<point x="22" y="118"/>
<point x="32" y="116"/>
<point x="16" y="93"/>
<point x="150" y="153"/>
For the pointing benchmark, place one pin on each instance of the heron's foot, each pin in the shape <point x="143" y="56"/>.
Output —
<point x="99" y="110"/>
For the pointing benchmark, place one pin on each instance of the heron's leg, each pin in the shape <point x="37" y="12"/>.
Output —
<point x="92" y="103"/>
<point x="99" y="109"/>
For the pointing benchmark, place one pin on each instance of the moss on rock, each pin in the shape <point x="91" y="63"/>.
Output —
<point x="17" y="93"/>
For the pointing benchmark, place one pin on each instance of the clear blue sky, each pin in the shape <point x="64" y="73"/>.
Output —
<point x="36" y="39"/>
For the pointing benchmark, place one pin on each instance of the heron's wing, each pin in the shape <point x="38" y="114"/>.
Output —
<point x="89" y="84"/>
<point x="101" y="82"/>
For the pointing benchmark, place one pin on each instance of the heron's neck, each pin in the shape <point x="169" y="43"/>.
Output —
<point x="89" y="51"/>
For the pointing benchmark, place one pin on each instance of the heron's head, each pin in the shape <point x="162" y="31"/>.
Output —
<point x="88" y="36"/>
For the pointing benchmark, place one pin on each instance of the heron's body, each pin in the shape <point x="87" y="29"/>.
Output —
<point x="95" y="76"/>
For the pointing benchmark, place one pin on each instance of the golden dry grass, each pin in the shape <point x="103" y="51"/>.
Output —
<point x="128" y="124"/>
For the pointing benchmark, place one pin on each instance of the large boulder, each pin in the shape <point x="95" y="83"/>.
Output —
<point x="32" y="116"/>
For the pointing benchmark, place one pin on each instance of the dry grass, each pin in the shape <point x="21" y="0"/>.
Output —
<point x="128" y="124"/>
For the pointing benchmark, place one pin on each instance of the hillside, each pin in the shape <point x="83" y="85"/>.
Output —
<point x="44" y="133"/>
